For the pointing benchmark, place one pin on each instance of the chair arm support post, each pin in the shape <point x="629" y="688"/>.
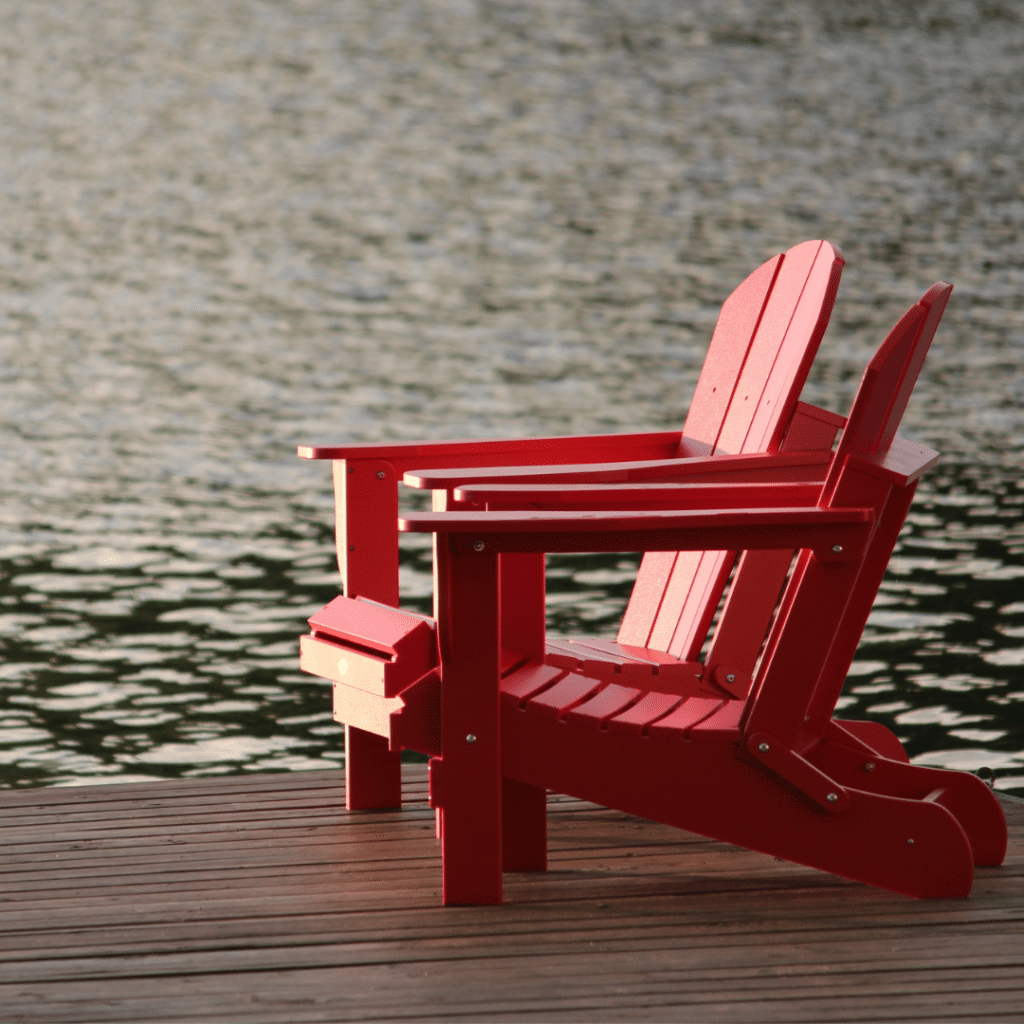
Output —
<point x="366" y="535"/>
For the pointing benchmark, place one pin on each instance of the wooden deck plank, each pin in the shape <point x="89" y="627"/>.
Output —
<point x="260" y="898"/>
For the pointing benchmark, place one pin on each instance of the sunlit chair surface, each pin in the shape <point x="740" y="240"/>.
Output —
<point x="745" y="423"/>
<point x="772" y="770"/>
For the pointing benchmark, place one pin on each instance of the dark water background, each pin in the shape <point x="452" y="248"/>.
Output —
<point x="229" y="228"/>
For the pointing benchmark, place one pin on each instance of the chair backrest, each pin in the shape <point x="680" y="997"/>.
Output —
<point x="762" y="348"/>
<point x="826" y="605"/>
<point x="887" y="383"/>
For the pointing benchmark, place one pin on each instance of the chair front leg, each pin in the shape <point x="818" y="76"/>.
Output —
<point x="521" y="614"/>
<point x="468" y="787"/>
<point x="366" y="511"/>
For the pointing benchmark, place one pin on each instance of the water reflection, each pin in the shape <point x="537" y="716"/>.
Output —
<point x="227" y="230"/>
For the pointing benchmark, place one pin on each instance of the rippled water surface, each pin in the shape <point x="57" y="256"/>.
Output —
<point x="226" y="229"/>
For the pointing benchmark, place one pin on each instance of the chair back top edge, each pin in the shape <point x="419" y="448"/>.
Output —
<point x="767" y="335"/>
<point x="888" y="382"/>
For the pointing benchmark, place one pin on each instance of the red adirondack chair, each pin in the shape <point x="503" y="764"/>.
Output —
<point x="744" y="423"/>
<point x="773" y="771"/>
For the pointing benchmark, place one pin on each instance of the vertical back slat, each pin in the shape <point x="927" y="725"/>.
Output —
<point x="646" y="598"/>
<point x="759" y="357"/>
<point x="677" y="593"/>
<point x="735" y="330"/>
<point x="701" y="604"/>
<point x="786" y="341"/>
<point x="795" y="354"/>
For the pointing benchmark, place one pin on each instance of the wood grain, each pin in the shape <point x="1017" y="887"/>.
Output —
<point x="260" y="898"/>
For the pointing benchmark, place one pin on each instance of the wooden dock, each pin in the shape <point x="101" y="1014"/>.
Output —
<point x="259" y="898"/>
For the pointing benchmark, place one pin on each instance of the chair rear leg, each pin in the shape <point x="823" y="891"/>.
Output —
<point x="524" y="826"/>
<point x="373" y="773"/>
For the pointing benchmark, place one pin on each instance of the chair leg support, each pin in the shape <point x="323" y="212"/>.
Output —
<point x="913" y="844"/>
<point x="962" y="794"/>
<point x="524" y="826"/>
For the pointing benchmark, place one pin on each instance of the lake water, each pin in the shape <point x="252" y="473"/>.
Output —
<point x="226" y="229"/>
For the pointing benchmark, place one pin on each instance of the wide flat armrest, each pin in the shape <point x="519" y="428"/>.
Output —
<point x="834" y="534"/>
<point x="809" y="465"/>
<point x="511" y="451"/>
<point x="902" y="463"/>
<point x="646" y="496"/>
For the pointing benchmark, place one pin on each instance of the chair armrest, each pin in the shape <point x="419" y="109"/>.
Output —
<point x="805" y="465"/>
<point x="597" y="497"/>
<point x="404" y="455"/>
<point x="902" y="463"/>
<point x="835" y="535"/>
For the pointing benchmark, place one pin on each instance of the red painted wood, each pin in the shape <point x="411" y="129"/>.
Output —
<point x="564" y="695"/>
<point x="788" y="337"/>
<point x="522" y="605"/>
<point x="685" y="717"/>
<point x="365" y="485"/>
<point x="814" y="617"/>
<point x="704" y="787"/>
<point x="635" y="721"/>
<point x="772" y="772"/>
<point x="500" y="528"/>
<point x="762" y="395"/>
<point x="746" y="615"/>
<point x="605" y="704"/>
<point x="607" y="497"/>
<point x="366" y="503"/>
<point x="876" y="738"/>
<point x="756" y="466"/>
<point x="373" y="646"/>
<point x="522" y="619"/>
<point x="964" y="795"/>
<point x="693" y="623"/>
<point x="524" y="843"/>
<point x="730" y="344"/>
<point x="723" y="725"/>
<point x="470" y="765"/>
<point x="404" y="455"/>
<point x="803" y="802"/>
<point x="760" y="575"/>
<point x="530" y="680"/>
<point x="646" y="599"/>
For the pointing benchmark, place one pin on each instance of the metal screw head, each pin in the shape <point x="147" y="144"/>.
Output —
<point x="837" y="549"/>
<point x="869" y="766"/>
<point x="380" y="474"/>
<point x="351" y="547"/>
<point x="471" y="738"/>
<point x="832" y="798"/>
<point x="731" y="677"/>
<point x="478" y="545"/>
<point x="910" y="842"/>
<point x="763" y="747"/>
